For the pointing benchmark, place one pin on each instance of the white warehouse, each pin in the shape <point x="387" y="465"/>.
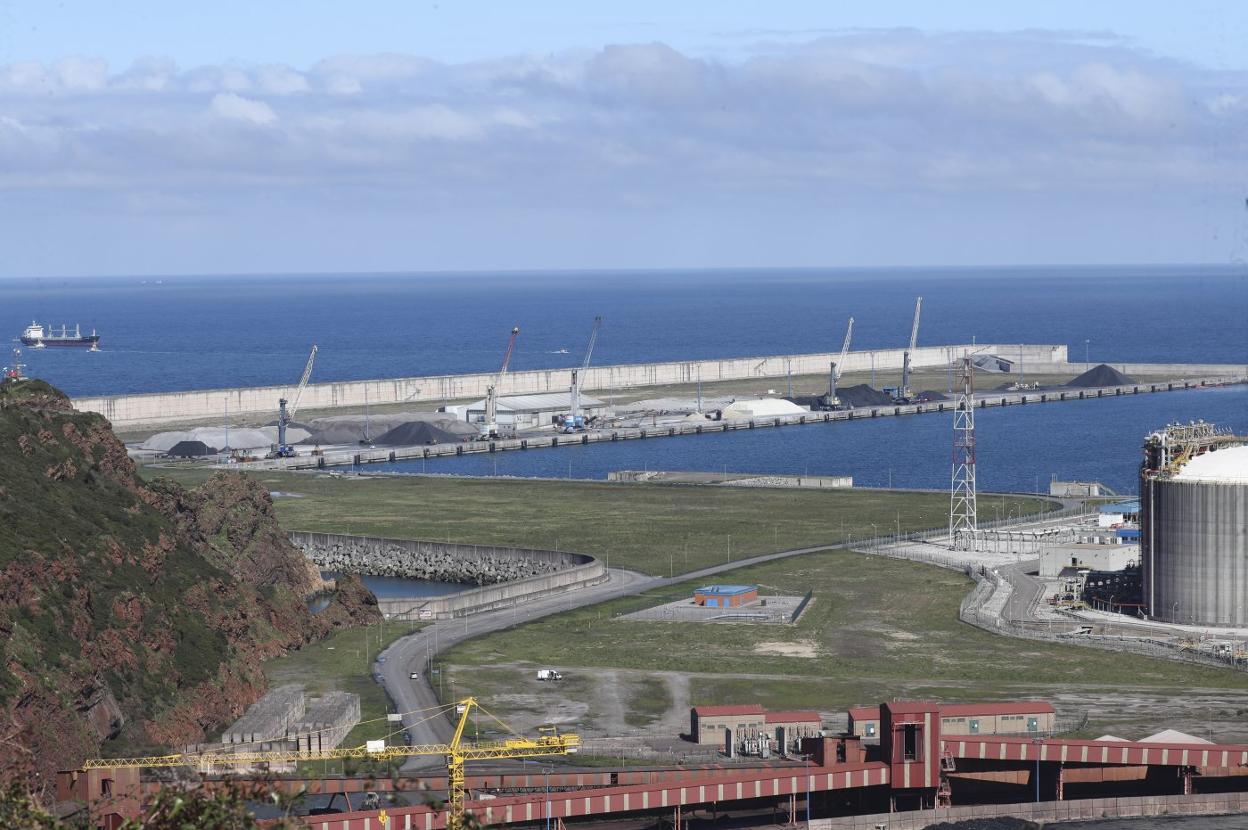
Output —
<point x="528" y="411"/>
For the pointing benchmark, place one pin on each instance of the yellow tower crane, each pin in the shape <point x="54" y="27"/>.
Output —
<point x="457" y="753"/>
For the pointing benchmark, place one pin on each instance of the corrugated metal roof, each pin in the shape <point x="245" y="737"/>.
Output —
<point x="1021" y="707"/>
<point x="794" y="717"/>
<point x="719" y="711"/>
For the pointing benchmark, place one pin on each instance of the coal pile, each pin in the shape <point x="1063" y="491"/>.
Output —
<point x="862" y="395"/>
<point x="417" y="432"/>
<point x="1102" y="376"/>
<point x="997" y="823"/>
<point x="931" y="396"/>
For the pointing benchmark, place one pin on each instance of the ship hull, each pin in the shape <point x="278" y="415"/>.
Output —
<point x="61" y="342"/>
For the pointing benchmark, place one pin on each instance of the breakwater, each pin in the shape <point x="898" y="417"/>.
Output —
<point x="352" y="457"/>
<point x="137" y="411"/>
<point x="507" y="575"/>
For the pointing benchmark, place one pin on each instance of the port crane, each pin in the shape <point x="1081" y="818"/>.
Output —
<point x="902" y="393"/>
<point x="489" y="427"/>
<point x="286" y="415"/>
<point x="838" y="366"/>
<point x="575" y="419"/>
<point x="457" y="752"/>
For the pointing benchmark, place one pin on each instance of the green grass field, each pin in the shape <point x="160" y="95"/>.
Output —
<point x="877" y="629"/>
<point x="656" y="529"/>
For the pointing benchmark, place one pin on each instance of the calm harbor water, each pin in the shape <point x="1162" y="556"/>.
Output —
<point x="1020" y="448"/>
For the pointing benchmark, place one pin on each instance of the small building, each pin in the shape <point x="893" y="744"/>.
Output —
<point x="725" y="596"/>
<point x="1089" y="556"/>
<point x="1024" y="717"/>
<point x="1113" y="515"/>
<point x="528" y="411"/>
<point x="864" y="721"/>
<point x="708" y="724"/>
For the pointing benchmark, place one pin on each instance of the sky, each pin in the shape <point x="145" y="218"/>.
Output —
<point x="308" y="136"/>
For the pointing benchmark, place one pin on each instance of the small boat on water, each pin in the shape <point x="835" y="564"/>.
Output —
<point x="36" y="336"/>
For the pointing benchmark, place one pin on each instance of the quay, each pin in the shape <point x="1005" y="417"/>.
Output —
<point x="129" y="412"/>
<point x="359" y="457"/>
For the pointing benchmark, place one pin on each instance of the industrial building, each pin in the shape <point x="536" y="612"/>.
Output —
<point x="1194" y="523"/>
<point x="751" y="722"/>
<point x="1024" y="717"/>
<point x="528" y="411"/>
<point x="1092" y="556"/>
<point x="725" y="596"/>
<point x="1115" y="515"/>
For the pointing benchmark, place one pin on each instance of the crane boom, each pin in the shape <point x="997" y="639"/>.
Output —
<point x="578" y="375"/>
<point x="903" y="391"/>
<point x="456" y="752"/>
<point x="285" y="415"/>
<point x="839" y="366"/>
<point x="489" y="428"/>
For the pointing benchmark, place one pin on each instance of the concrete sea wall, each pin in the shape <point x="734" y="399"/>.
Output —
<point x="129" y="411"/>
<point x="510" y="575"/>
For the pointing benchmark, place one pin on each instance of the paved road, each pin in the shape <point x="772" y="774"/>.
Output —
<point x="1021" y="606"/>
<point x="412" y="654"/>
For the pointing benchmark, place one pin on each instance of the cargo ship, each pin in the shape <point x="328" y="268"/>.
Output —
<point x="37" y="337"/>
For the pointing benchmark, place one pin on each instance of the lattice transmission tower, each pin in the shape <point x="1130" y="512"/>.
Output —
<point x="963" y="522"/>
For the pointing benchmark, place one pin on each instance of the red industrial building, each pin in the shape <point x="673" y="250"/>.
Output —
<point x="1023" y="717"/>
<point x="751" y="722"/>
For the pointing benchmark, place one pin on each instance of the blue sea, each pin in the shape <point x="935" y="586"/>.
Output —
<point x="208" y="332"/>
<point x="203" y="332"/>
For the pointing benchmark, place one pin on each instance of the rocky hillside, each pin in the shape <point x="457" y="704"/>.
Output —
<point x="133" y="614"/>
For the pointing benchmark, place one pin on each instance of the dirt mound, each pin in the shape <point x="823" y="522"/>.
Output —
<point x="862" y="395"/>
<point x="1102" y="375"/>
<point x="417" y="432"/>
<point x="997" y="823"/>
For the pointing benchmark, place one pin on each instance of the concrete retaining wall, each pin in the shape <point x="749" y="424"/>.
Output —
<point x="128" y="411"/>
<point x="1047" y="812"/>
<point x="569" y="571"/>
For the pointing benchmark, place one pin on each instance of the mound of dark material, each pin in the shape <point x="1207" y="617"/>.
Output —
<point x="862" y="395"/>
<point x="1102" y="376"/>
<point x="931" y="396"/>
<point x="191" y="449"/>
<point x="417" y="432"/>
<point x="997" y="823"/>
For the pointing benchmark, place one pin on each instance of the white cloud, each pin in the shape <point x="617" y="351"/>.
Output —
<point x="237" y="108"/>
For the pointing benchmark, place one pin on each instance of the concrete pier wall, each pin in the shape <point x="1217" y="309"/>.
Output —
<point x="571" y="571"/>
<point x="129" y="411"/>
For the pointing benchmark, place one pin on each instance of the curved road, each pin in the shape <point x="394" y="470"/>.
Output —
<point x="413" y="653"/>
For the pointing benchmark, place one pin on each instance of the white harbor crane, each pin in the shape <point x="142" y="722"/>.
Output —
<point x="903" y="392"/>
<point x="286" y="414"/>
<point x="489" y="427"/>
<point x="575" y="419"/>
<point x="838" y="366"/>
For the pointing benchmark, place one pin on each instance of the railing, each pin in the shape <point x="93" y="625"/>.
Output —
<point x="974" y="610"/>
